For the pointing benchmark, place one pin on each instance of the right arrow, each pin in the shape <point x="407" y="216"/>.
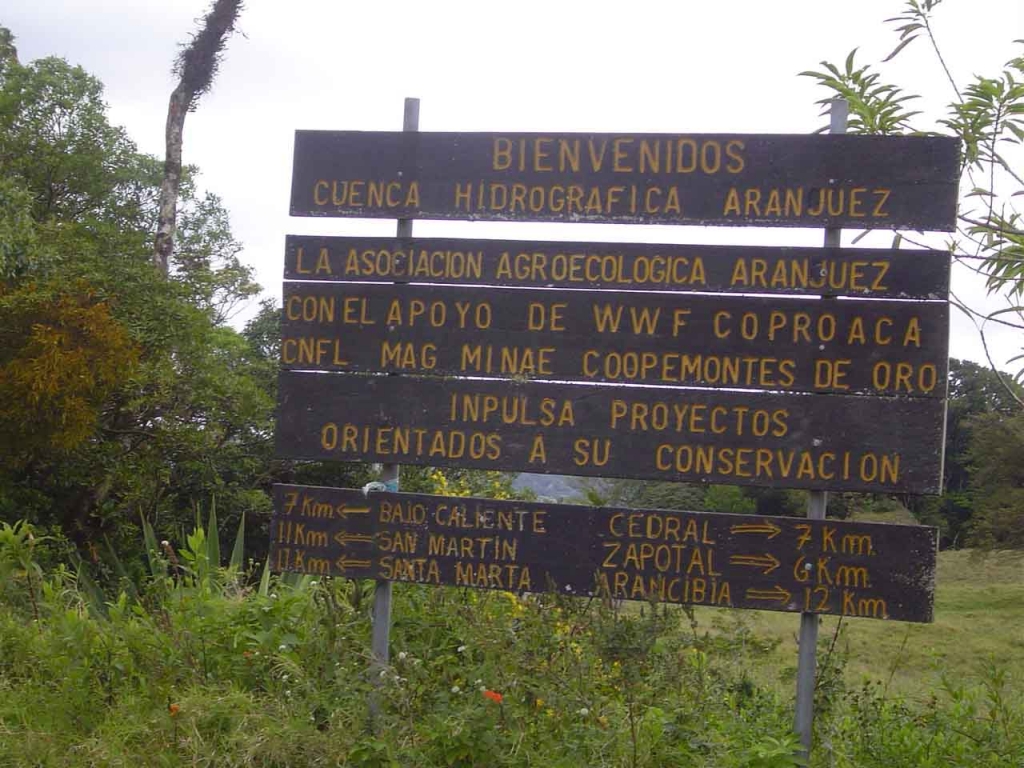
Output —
<point x="774" y="595"/>
<point x="768" y="528"/>
<point x="766" y="561"/>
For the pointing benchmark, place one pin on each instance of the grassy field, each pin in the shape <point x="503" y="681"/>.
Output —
<point x="979" y="618"/>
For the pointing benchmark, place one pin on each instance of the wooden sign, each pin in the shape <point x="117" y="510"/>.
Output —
<point x="782" y="440"/>
<point x="871" y="347"/>
<point x="863" y="272"/>
<point x="723" y="179"/>
<point x="729" y="561"/>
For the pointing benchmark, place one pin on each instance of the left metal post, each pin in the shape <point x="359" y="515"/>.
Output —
<point x="390" y="477"/>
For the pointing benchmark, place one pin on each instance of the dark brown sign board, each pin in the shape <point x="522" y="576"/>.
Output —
<point x="720" y="179"/>
<point x="788" y="344"/>
<point x="865" y="272"/>
<point x="721" y="560"/>
<point x="889" y="445"/>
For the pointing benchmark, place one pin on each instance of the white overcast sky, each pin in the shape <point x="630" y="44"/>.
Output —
<point x="686" y="66"/>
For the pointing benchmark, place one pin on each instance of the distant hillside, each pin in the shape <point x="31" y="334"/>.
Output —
<point x="557" y="487"/>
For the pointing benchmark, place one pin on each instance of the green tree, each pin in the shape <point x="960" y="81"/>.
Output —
<point x="150" y="404"/>
<point x="729" y="498"/>
<point x="997" y="480"/>
<point x="974" y="391"/>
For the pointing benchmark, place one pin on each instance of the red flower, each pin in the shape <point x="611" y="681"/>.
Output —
<point x="493" y="696"/>
<point x="173" y="709"/>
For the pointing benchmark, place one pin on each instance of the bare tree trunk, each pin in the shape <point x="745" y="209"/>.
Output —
<point x="196" y="67"/>
<point x="168" y="214"/>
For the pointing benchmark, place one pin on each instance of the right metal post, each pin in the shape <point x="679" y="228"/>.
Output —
<point x="817" y="503"/>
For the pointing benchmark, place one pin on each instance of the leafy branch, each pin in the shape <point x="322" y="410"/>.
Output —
<point x="987" y="114"/>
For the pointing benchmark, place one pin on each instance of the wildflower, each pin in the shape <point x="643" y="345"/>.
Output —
<point x="313" y="583"/>
<point x="402" y="655"/>
<point x="493" y="696"/>
<point x="461" y="649"/>
<point x="383" y="673"/>
<point x="584" y="712"/>
<point x="603" y="721"/>
<point x="455" y="689"/>
<point x="282" y="647"/>
<point x="173" y="710"/>
<point x="539" y="702"/>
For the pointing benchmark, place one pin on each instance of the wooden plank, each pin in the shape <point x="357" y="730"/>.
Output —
<point x="863" y="272"/>
<point x="840" y="442"/>
<point x="734" y="561"/>
<point x="788" y="344"/>
<point x="722" y="179"/>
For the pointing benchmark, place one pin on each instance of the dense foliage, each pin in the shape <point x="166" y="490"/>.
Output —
<point x="124" y="394"/>
<point x="189" y="666"/>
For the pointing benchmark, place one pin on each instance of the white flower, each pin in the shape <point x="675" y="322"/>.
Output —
<point x="313" y="583"/>
<point x="383" y="673"/>
<point x="461" y="648"/>
<point x="455" y="689"/>
<point x="584" y="712"/>
<point x="478" y="682"/>
<point x="282" y="647"/>
<point x="402" y="655"/>
<point x="284" y="677"/>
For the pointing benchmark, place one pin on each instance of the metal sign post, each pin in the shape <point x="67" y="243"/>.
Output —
<point x="390" y="473"/>
<point x="817" y="504"/>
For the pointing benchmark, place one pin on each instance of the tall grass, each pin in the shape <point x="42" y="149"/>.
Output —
<point x="199" y="664"/>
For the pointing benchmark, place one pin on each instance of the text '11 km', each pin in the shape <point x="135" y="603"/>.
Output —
<point x="736" y="561"/>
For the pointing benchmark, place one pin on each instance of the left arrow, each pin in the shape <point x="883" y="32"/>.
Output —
<point x="345" y="538"/>
<point x="344" y="563"/>
<point x="344" y="510"/>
